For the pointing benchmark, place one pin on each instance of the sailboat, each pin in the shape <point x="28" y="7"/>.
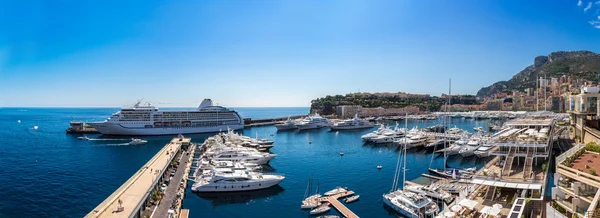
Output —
<point x="311" y="201"/>
<point x="407" y="203"/>
<point x="447" y="171"/>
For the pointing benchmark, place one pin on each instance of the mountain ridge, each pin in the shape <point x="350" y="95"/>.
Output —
<point x="579" y="64"/>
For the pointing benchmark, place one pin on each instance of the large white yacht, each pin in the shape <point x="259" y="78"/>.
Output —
<point x="354" y="123"/>
<point x="367" y="137"/>
<point x="236" y="180"/>
<point x="148" y="120"/>
<point x="455" y="147"/>
<point x="287" y="125"/>
<point x="387" y="137"/>
<point x="244" y="156"/>
<point x="470" y="148"/>
<point x="483" y="151"/>
<point x="410" y="204"/>
<point x="431" y="191"/>
<point x="313" y="122"/>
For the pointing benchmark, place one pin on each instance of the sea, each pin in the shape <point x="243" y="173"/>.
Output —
<point x="47" y="173"/>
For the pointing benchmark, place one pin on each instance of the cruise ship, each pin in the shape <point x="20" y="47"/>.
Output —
<point x="149" y="120"/>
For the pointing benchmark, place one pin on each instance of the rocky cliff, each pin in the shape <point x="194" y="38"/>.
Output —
<point x="578" y="64"/>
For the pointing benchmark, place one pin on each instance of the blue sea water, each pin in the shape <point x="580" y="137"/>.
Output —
<point x="47" y="173"/>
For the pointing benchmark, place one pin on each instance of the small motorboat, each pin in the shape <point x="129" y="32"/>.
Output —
<point x="265" y="142"/>
<point x="351" y="199"/>
<point x="341" y="153"/>
<point x="83" y="138"/>
<point x="379" y="167"/>
<point x="321" y="209"/>
<point x="336" y="191"/>
<point x="310" y="204"/>
<point x="135" y="141"/>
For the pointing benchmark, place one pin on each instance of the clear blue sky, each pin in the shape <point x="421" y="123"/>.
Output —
<point x="273" y="53"/>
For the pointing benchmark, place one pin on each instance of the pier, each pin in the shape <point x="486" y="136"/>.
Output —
<point x="333" y="200"/>
<point x="134" y="196"/>
<point x="249" y="122"/>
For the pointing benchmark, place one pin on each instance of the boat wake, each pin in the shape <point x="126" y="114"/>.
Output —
<point x="109" y="139"/>
<point x="120" y="144"/>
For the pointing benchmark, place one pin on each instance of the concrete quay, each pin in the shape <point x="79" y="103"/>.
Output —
<point x="134" y="196"/>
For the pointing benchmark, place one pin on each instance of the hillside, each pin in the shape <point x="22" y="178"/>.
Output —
<point x="579" y="64"/>
<point x="326" y="105"/>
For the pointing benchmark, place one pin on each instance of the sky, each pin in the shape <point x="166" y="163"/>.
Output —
<point x="271" y="52"/>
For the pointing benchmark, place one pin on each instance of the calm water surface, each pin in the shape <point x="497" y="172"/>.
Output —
<point x="46" y="173"/>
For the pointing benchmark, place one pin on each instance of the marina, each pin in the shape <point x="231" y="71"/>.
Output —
<point x="320" y="152"/>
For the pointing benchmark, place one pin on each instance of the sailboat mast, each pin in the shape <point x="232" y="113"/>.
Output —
<point x="447" y="119"/>
<point x="404" y="153"/>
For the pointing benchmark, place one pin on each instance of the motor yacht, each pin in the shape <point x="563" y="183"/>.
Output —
<point x="454" y="130"/>
<point x="455" y="147"/>
<point x="135" y="141"/>
<point x="431" y="191"/>
<point x="483" y="151"/>
<point x="336" y="191"/>
<point x="354" y="123"/>
<point x="244" y="156"/>
<point x="470" y="148"/>
<point x="321" y="209"/>
<point x="237" y="180"/>
<point x="367" y="137"/>
<point x="387" y="137"/>
<point x="313" y="122"/>
<point x="454" y="173"/>
<point x="287" y="125"/>
<point x="410" y="204"/>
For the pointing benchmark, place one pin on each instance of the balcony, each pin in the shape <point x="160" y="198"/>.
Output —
<point x="569" y="207"/>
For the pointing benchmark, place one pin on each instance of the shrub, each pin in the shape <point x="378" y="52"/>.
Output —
<point x="593" y="171"/>
<point x="592" y="146"/>
<point x="544" y="167"/>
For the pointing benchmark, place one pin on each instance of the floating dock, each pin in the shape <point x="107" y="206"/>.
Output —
<point x="333" y="200"/>
<point x="131" y="199"/>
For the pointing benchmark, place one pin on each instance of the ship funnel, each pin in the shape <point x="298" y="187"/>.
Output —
<point x="205" y="103"/>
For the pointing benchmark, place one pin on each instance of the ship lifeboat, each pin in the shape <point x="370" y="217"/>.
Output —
<point x="157" y="123"/>
<point x="187" y="123"/>
<point x="174" y="124"/>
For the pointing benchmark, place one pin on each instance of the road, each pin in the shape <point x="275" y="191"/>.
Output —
<point x="171" y="193"/>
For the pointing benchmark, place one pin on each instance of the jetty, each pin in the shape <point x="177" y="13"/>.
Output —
<point x="333" y="200"/>
<point x="249" y="122"/>
<point x="135" y="197"/>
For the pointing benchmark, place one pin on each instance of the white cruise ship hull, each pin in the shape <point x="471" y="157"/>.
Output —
<point x="117" y="129"/>
<point x="233" y="187"/>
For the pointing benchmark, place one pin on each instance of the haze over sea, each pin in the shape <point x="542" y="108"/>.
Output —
<point x="47" y="173"/>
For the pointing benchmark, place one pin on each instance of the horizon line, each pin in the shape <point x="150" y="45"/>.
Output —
<point x="160" y="107"/>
